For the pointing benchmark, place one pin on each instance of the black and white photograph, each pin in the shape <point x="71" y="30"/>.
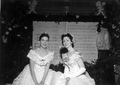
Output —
<point x="60" y="42"/>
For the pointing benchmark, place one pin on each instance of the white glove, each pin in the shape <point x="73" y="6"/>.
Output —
<point x="75" y="74"/>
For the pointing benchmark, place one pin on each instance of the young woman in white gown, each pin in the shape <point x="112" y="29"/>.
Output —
<point x="37" y="72"/>
<point x="75" y="71"/>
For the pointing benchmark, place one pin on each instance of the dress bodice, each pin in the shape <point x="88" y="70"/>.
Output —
<point x="41" y="61"/>
<point x="72" y="65"/>
<point x="74" y="58"/>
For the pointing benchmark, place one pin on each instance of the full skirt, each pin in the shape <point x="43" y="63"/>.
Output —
<point x="24" y="78"/>
<point x="81" y="80"/>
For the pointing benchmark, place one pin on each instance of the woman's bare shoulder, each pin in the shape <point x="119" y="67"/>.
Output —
<point x="49" y="51"/>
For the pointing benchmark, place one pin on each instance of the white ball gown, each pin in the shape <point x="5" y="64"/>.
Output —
<point x="72" y="70"/>
<point x="24" y="78"/>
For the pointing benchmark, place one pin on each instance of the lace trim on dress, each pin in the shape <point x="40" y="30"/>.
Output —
<point x="38" y="59"/>
<point x="76" y="56"/>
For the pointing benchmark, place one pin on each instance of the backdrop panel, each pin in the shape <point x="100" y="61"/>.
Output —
<point x="84" y="36"/>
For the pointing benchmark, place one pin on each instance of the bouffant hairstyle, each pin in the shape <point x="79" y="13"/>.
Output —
<point x="69" y="36"/>
<point x="44" y="35"/>
<point x="63" y="50"/>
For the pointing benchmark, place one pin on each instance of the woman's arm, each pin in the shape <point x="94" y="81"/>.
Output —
<point x="80" y="63"/>
<point x="46" y="72"/>
<point x="80" y="70"/>
<point x="32" y="71"/>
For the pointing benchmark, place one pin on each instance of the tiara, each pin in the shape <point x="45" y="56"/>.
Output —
<point x="45" y="33"/>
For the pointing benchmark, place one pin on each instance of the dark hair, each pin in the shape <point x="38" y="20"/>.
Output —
<point x="69" y="36"/>
<point x="44" y="35"/>
<point x="63" y="50"/>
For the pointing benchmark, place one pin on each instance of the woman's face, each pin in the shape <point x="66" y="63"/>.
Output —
<point x="44" y="42"/>
<point x="65" y="58"/>
<point x="67" y="42"/>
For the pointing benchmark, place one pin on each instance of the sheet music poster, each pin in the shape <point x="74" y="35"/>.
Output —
<point x="84" y="36"/>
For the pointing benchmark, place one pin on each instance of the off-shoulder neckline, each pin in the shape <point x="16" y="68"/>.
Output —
<point x="43" y="56"/>
<point x="73" y="54"/>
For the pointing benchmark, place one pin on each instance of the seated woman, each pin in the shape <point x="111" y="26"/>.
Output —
<point x="37" y="72"/>
<point x="75" y="71"/>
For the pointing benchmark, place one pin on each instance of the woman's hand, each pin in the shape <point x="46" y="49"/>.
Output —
<point x="67" y="81"/>
<point x="66" y="59"/>
<point x="41" y="83"/>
